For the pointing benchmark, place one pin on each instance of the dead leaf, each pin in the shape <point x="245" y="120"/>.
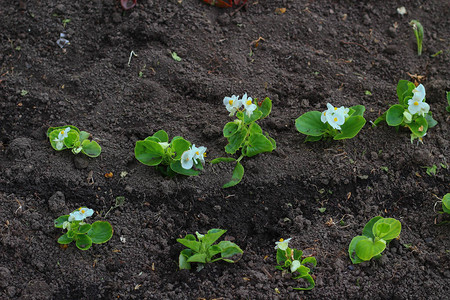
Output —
<point x="109" y="175"/>
<point x="280" y="10"/>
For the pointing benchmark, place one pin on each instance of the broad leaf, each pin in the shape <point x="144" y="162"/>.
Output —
<point x="84" y="228"/>
<point x="254" y="128"/>
<point x="366" y="248"/>
<point x="419" y="126"/>
<point x="84" y="135"/>
<point x="387" y="228"/>
<point x="229" y="249"/>
<point x="310" y="124"/>
<point x="71" y="139"/>
<point x="351" y="249"/>
<point x="402" y="88"/>
<point x="253" y="117"/>
<point x="100" y="232"/>
<point x="235" y="141"/>
<point x="310" y="281"/>
<point x="311" y="260"/>
<point x="182" y="259"/>
<point x="351" y="127"/>
<point x="149" y="153"/>
<point x="64" y="239"/>
<point x="446" y="202"/>
<point x="379" y="119"/>
<point x="231" y="128"/>
<point x="198" y="257"/>
<point x="212" y="236"/>
<point x="177" y="168"/>
<point x="298" y="254"/>
<point x="60" y="128"/>
<point x="179" y="146"/>
<point x="311" y="138"/>
<point x="368" y="229"/>
<point x="222" y="159"/>
<point x="188" y="242"/>
<point x="359" y="110"/>
<point x="394" y="115"/>
<point x="213" y="250"/>
<point x="60" y="221"/>
<point x="153" y="139"/>
<point x="238" y="173"/>
<point x="83" y="242"/>
<point x="258" y="143"/>
<point x="162" y="136"/>
<point x="431" y="122"/>
<point x="91" y="148"/>
<point x="281" y="256"/>
<point x="266" y="107"/>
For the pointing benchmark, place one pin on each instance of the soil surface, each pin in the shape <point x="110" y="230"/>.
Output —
<point x="313" y="53"/>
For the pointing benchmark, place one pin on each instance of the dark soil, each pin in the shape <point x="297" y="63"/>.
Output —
<point x="316" y="52"/>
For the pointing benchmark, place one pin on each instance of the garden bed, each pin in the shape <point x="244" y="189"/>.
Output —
<point x="313" y="53"/>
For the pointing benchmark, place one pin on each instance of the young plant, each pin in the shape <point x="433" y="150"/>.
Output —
<point x="203" y="250"/>
<point x="412" y="111"/>
<point x="446" y="203"/>
<point x="244" y="134"/>
<point x="418" y="32"/>
<point x="448" y="101"/>
<point x="291" y="260"/>
<point x="178" y="156"/>
<point x="82" y="233"/>
<point x="70" y="137"/>
<point x="338" y="123"/>
<point x="377" y="234"/>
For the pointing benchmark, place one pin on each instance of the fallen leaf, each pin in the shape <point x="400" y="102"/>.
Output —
<point x="109" y="175"/>
<point x="280" y="10"/>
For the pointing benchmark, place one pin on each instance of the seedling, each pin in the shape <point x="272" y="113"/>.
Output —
<point x="70" y="137"/>
<point x="448" y="101"/>
<point x="82" y="233"/>
<point x="203" y="250"/>
<point x="65" y="22"/>
<point x="411" y="112"/>
<point x="175" y="56"/>
<point x="418" y="32"/>
<point x="244" y="134"/>
<point x="290" y="260"/>
<point x="431" y="171"/>
<point x="377" y="233"/>
<point x="178" y="156"/>
<point x="338" y="123"/>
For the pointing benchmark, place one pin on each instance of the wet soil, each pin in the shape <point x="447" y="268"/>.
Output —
<point x="313" y="53"/>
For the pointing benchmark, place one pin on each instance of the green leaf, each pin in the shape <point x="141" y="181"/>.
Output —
<point x="379" y="119"/>
<point x="256" y="115"/>
<point x="229" y="249"/>
<point x="213" y="250"/>
<point x="182" y="260"/>
<point x="351" y="127"/>
<point x="179" y="146"/>
<point x="198" y="257"/>
<point x="190" y="243"/>
<point x="60" y="221"/>
<point x="359" y="110"/>
<point x="238" y="173"/>
<point x="149" y="153"/>
<point x="431" y="122"/>
<point x="366" y="248"/>
<point x="212" y="236"/>
<point x="258" y="143"/>
<point x="394" y="115"/>
<point x="310" y="281"/>
<point x="162" y="136"/>
<point x="310" y="138"/>
<point x="266" y="107"/>
<point x="222" y="159"/>
<point x="231" y="128"/>
<point x="235" y="141"/>
<point x="311" y="260"/>
<point x="100" y="232"/>
<point x="297" y="254"/>
<point x="175" y="56"/>
<point x="71" y="139"/>
<point x="351" y="249"/>
<point x="402" y="89"/>
<point x="84" y="135"/>
<point x="387" y="229"/>
<point x="84" y="228"/>
<point x="64" y="239"/>
<point x="59" y="128"/>
<point x="281" y="256"/>
<point x="254" y="128"/>
<point x="368" y="229"/>
<point x="83" y="242"/>
<point x="153" y="139"/>
<point x="310" y="124"/>
<point x="177" y="168"/>
<point x="91" y="148"/>
<point x="271" y="140"/>
<point x="446" y="203"/>
<point x="419" y="126"/>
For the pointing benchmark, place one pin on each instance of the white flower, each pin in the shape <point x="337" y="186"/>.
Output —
<point x="295" y="265"/>
<point x="248" y="105"/>
<point x="419" y="93"/>
<point x="418" y="107"/>
<point x="81" y="214"/>
<point x="165" y="145"/>
<point x="187" y="159"/>
<point x="282" y="244"/>
<point x="60" y="139"/>
<point x="232" y="104"/>
<point x="334" y="116"/>
<point x="401" y="10"/>
<point x="199" y="154"/>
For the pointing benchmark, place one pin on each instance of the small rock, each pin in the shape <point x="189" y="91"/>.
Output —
<point x="129" y="189"/>
<point x="392" y="32"/>
<point x="390" y="50"/>
<point x="20" y="148"/>
<point x="80" y="162"/>
<point x="5" y="276"/>
<point x="367" y="21"/>
<point x="57" y="202"/>
<point x="11" y="291"/>
<point x="116" y="18"/>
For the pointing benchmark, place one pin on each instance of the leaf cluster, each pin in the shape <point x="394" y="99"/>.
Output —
<point x="76" y="140"/>
<point x="84" y="234"/>
<point x="398" y="115"/>
<point x="156" y="151"/>
<point x="203" y="250"/>
<point x="377" y="234"/>
<point x="247" y="136"/>
<point x="285" y="259"/>
<point x="310" y="124"/>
